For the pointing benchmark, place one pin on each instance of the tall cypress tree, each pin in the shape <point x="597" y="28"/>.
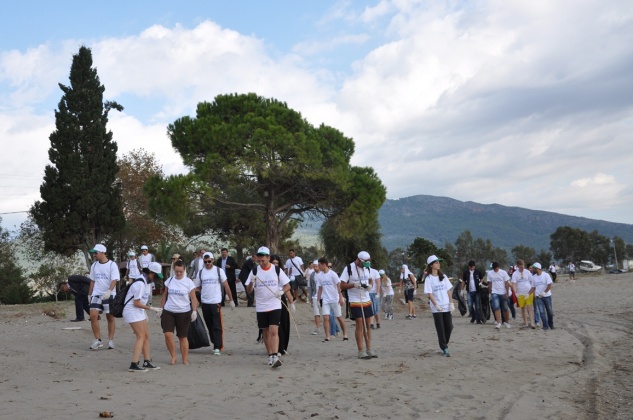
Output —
<point x="81" y="202"/>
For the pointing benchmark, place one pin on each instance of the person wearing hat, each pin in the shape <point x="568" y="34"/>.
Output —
<point x="438" y="288"/>
<point x="79" y="286"/>
<point x="133" y="266"/>
<point x="522" y="285"/>
<point x="329" y="292"/>
<point x="212" y="284"/>
<point x="543" y="291"/>
<point x="136" y="302"/>
<point x="498" y="287"/>
<point x="408" y="285"/>
<point x="104" y="274"/>
<point x="268" y="284"/>
<point x="145" y="257"/>
<point x="313" y="290"/>
<point x="387" y="294"/>
<point x="356" y="279"/>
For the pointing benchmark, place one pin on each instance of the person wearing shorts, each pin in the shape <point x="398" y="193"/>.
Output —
<point x="387" y="294"/>
<point x="268" y="286"/>
<point x="572" y="271"/>
<point x="523" y="287"/>
<point x="104" y="274"/>
<point x="408" y="285"/>
<point x="356" y="279"/>
<point x="374" y="296"/>
<point x="180" y="308"/>
<point x="329" y="291"/>
<point x="498" y="285"/>
<point x="294" y="270"/>
<point x="313" y="291"/>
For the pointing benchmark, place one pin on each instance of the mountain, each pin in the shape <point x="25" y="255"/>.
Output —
<point x="442" y="219"/>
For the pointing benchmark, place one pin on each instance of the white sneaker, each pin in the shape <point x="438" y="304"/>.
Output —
<point x="498" y="326"/>
<point x="97" y="344"/>
<point x="276" y="362"/>
<point x="506" y="325"/>
<point x="216" y="352"/>
<point x="314" y="332"/>
<point x="270" y="360"/>
<point x="110" y="344"/>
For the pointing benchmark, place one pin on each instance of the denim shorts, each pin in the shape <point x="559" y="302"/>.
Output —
<point x="499" y="302"/>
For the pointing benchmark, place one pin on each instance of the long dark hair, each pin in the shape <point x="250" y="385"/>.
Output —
<point x="429" y="271"/>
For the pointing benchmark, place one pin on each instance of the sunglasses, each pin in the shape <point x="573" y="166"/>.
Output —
<point x="208" y="261"/>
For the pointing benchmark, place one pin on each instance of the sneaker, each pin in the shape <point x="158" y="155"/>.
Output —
<point x="284" y="352"/>
<point x="270" y="360"/>
<point x="371" y="354"/>
<point x="391" y="317"/>
<point x="110" y="344"/>
<point x="216" y="352"/>
<point x="507" y="325"/>
<point x="446" y="353"/>
<point x="315" y="332"/>
<point x="523" y="327"/>
<point x="134" y="367"/>
<point x="413" y="316"/>
<point x="97" y="344"/>
<point x="149" y="365"/>
<point x="276" y="362"/>
<point x="498" y="326"/>
<point x="408" y="316"/>
<point x="371" y="326"/>
<point x="377" y="326"/>
<point x="363" y="355"/>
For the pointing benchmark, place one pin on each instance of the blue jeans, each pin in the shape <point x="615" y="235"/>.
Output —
<point x="333" y="324"/>
<point x="499" y="302"/>
<point x="375" y="303"/>
<point x="537" y="318"/>
<point x="474" y="306"/>
<point x="81" y="305"/>
<point x="545" y="308"/>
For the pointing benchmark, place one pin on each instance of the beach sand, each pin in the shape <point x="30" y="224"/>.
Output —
<point x="581" y="370"/>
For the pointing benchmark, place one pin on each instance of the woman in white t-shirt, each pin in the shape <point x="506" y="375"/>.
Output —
<point x="438" y="288"/>
<point x="136" y="302"/>
<point x="387" y="294"/>
<point x="180" y="308"/>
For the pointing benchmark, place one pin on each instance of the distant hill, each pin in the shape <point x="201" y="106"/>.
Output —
<point x="442" y="219"/>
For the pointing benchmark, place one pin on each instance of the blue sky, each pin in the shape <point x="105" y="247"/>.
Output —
<point x="526" y="104"/>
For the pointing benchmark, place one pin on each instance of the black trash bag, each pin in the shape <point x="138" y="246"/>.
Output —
<point x="461" y="305"/>
<point x="485" y="302"/>
<point x="197" y="334"/>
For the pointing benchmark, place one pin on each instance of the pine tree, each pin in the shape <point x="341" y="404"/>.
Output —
<point x="81" y="202"/>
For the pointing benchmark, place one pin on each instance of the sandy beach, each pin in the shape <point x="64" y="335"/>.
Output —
<point x="581" y="370"/>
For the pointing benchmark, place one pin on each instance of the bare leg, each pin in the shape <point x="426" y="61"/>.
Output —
<point x="171" y="347"/>
<point x="140" y="331"/>
<point x="94" y="323"/>
<point x="184" y="350"/>
<point x="368" y="333"/>
<point x="146" y="354"/>
<point x="341" y="322"/>
<point x="326" y="326"/>
<point x="271" y="339"/>
<point x="358" y="334"/>
<point x="111" y="326"/>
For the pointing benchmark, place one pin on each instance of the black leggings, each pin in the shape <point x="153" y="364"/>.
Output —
<point x="444" y="327"/>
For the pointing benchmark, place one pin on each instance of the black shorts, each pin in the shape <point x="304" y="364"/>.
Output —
<point x="266" y="319"/>
<point x="408" y="295"/>
<point x="179" y="321"/>
<point x="357" y="310"/>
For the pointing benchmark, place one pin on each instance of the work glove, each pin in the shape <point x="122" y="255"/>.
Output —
<point x="542" y="295"/>
<point x="159" y="311"/>
<point x="364" y="286"/>
<point x="106" y="295"/>
<point x="415" y="291"/>
<point x="292" y="307"/>
<point x="232" y="305"/>
<point x="452" y="307"/>
<point x="357" y="286"/>
<point x="194" y="316"/>
<point x="438" y="307"/>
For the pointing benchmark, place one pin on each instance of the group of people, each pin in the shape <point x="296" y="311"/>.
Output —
<point x="529" y="288"/>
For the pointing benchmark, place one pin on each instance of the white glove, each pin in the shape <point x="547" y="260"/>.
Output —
<point x="542" y="295"/>
<point x="106" y="295"/>
<point x="292" y="307"/>
<point x="452" y="307"/>
<point x="438" y="307"/>
<point x="159" y="311"/>
<point x="194" y="316"/>
<point x="232" y="304"/>
<point x="415" y="291"/>
<point x="357" y="286"/>
<point x="152" y="308"/>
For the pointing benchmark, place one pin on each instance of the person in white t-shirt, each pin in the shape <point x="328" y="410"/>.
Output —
<point x="572" y="271"/>
<point x="408" y="286"/>
<point x="313" y="291"/>
<point x="374" y="296"/>
<point x="329" y="291"/>
<point x="104" y="274"/>
<point x="498" y="287"/>
<point x="133" y="266"/>
<point x="438" y="288"/>
<point x="179" y="308"/>
<point x="387" y="294"/>
<point x="145" y="258"/>
<point x="212" y="283"/>
<point x="356" y="279"/>
<point x="523" y="287"/>
<point x="552" y="271"/>
<point x="136" y="302"/>
<point x="295" y="271"/>
<point x="543" y="290"/>
<point x="268" y="286"/>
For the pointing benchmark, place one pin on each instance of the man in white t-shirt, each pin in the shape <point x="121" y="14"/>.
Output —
<point x="552" y="271"/>
<point x="498" y="286"/>
<point x="543" y="291"/>
<point x="145" y="258"/>
<point x="572" y="271"/>
<point x="295" y="271"/>
<point x="329" y="291"/>
<point x="103" y="277"/>
<point x="356" y="279"/>
<point x="523" y="288"/>
<point x="212" y="283"/>
<point x="268" y="285"/>
<point x="133" y="266"/>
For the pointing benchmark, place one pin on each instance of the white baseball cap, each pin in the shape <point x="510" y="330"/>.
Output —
<point x="156" y="268"/>
<point x="98" y="248"/>
<point x="144" y="247"/>
<point x="263" y="251"/>
<point x="315" y="262"/>
<point x="131" y="254"/>
<point x="364" y="256"/>
<point x="537" y="265"/>
<point x="432" y="259"/>
<point x="207" y="255"/>
<point x="381" y="272"/>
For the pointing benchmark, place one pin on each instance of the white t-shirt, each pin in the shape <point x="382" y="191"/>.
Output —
<point x="552" y="268"/>
<point x="178" y="300"/>
<point x="385" y="285"/>
<point x="541" y="283"/>
<point x="376" y="278"/>
<point x="212" y="287"/>
<point x="132" y="266"/>
<point x="471" y="286"/>
<point x="294" y="270"/>
<point x="571" y="267"/>
<point x="145" y="260"/>
<point x="498" y="280"/>
<point x="523" y="281"/>
<point x="267" y="288"/>
<point x="103" y="274"/>
<point x="359" y="275"/>
<point x="329" y="283"/>
<point x="439" y="290"/>
<point x="139" y="290"/>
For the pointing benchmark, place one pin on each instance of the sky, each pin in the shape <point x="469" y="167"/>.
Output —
<point x="524" y="104"/>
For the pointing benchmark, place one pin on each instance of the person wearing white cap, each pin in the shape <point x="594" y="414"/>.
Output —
<point x="145" y="257"/>
<point x="212" y="283"/>
<point x="523" y="288"/>
<point x="356" y="279"/>
<point x="387" y="294"/>
<point x="104" y="274"/>
<point x="438" y="288"/>
<point x="329" y="286"/>
<point x="268" y="284"/>
<point x="543" y="291"/>
<point x="136" y="302"/>
<point x="133" y="266"/>
<point x="408" y="285"/>
<point x="374" y="296"/>
<point x="313" y="270"/>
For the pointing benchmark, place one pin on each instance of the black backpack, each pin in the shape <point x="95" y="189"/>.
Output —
<point x="119" y="303"/>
